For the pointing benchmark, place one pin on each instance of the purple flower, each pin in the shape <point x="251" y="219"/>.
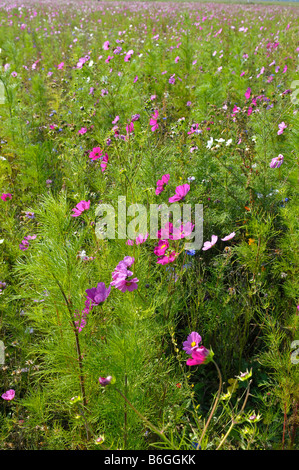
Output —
<point x="105" y="380"/>
<point x="192" y="342"/>
<point x="98" y="294"/>
<point x="277" y="161"/>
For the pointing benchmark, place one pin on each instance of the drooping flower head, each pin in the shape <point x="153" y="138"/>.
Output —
<point x="199" y="356"/>
<point x="277" y="161"/>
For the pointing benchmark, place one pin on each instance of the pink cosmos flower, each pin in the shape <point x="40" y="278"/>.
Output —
<point x="121" y="276"/>
<point x="247" y="93"/>
<point x="98" y="294"/>
<point x="160" y="250"/>
<point x="208" y="245"/>
<point x="192" y="342"/>
<point x="176" y="59"/>
<point x="60" y="66"/>
<point x="162" y="183"/>
<point x="169" y="258"/>
<point x="9" y="395"/>
<point x="105" y="380"/>
<point x="277" y="161"/>
<point x="228" y="237"/>
<point x="153" y="121"/>
<point x="116" y="119"/>
<point x="141" y="239"/>
<point x="106" y="45"/>
<point x="4" y="196"/>
<point x="80" y="207"/>
<point x="104" y="162"/>
<point x="282" y="126"/>
<point x="96" y="153"/>
<point x="199" y="356"/>
<point x="130" y="128"/>
<point x="14" y="74"/>
<point x="180" y="193"/>
<point x="183" y="232"/>
<point x="82" y="131"/>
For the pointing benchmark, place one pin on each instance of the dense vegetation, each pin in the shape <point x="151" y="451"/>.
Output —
<point x="146" y="100"/>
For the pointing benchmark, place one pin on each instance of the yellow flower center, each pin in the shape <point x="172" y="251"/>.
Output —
<point x="193" y="344"/>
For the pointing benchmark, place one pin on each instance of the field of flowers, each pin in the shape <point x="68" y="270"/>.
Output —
<point x="115" y="334"/>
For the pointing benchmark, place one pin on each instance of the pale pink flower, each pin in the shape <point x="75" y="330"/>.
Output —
<point x="282" y="126"/>
<point x="208" y="245"/>
<point x="228" y="237"/>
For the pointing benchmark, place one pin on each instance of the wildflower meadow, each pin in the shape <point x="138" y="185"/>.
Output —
<point x="149" y="296"/>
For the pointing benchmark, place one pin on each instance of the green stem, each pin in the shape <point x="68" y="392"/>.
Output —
<point x="150" y="425"/>
<point x="214" y="406"/>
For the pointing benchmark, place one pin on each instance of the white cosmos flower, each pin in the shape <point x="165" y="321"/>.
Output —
<point x="210" y="143"/>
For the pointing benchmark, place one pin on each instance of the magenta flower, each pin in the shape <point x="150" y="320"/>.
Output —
<point x="121" y="276"/>
<point x="199" y="356"/>
<point x="162" y="183"/>
<point x="130" y="128"/>
<point x="4" y="196"/>
<point x="160" y="250"/>
<point x="105" y="380"/>
<point x="116" y="119"/>
<point x="80" y="207"/>
<point x="104" y="162"/>
<point x="208" y="245"/>
<point x="180" y="193"/>
<point x="82" y="131"/>
<point x="167" y="258"/>
<point x="9" y="395"/>
<point x="98" y="294"/>
<point x="125" y="284"/>
<point x="106" y="45"/>
<point x="282" y="126"/>
<point x="60" y="66"/>
<point x="154" y="121"/>
<point x="247" y="93"/>
<point x="277" y="161"/>
<point x="192" y="342"/>
<point x="228" y="237"/>
<point x="96" y="153"/>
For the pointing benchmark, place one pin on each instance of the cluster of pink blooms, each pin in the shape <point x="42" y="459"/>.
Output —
<point x="199" y="354"/>
<point x="164" y="251"/>
<point x="122" y="277"/>
<point x="80" y="207"/>
<point x="162" y="183"/>
<point x="24" y="245"/>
